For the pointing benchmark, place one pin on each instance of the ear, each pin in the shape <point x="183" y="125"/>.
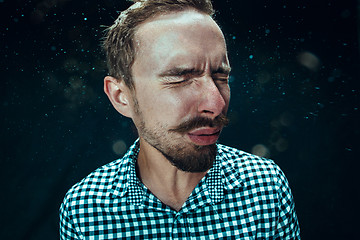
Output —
<point x="119" y="95"/>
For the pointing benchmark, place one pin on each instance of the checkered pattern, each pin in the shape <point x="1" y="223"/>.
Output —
<point x="242" y="197"/>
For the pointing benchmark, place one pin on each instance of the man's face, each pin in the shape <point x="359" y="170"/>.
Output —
<point x="182" y="94"/>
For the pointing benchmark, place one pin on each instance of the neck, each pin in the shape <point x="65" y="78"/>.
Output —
<point x="169" y="184"/>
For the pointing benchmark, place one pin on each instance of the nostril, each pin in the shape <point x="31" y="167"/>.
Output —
<point x="207" y="111"/>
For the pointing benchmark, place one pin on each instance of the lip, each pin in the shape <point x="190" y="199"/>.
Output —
<point x="204" y="136"/>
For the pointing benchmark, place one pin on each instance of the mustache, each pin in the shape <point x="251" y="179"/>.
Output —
<point x="197" y="122"/>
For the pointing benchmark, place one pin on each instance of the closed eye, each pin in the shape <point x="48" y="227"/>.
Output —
<point x="177" y="81"/>
<point x="221" y="78"/>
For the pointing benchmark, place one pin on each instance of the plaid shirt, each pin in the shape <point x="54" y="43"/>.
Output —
<point x="241" y="197"/>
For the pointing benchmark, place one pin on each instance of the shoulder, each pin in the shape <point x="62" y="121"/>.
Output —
<point x="82" y="200"/>
<point x="102" y="181"/>
<point x="250" y="167"/>
<point x="97" y="184"/>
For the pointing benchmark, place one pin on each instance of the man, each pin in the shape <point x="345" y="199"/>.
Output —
<point x="169" y="73"/>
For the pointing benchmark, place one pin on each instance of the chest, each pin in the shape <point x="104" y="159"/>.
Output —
<point x="236" y="217"/>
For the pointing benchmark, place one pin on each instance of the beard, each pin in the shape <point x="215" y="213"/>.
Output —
<point x="185" y="156"/>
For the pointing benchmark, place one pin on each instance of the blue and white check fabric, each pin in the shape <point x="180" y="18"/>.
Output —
<point x="242" y="196"/>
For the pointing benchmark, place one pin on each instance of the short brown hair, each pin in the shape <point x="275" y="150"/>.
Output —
<point x="118" y="39"/>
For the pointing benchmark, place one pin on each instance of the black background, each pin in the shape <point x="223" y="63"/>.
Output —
<point x="57" y="124"/>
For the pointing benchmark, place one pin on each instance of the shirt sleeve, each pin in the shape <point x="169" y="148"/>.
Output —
<point x="287" y="224"/>
<point x="67" y="229"/>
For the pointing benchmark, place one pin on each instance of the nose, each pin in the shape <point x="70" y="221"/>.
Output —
<point x="212" y="103"/>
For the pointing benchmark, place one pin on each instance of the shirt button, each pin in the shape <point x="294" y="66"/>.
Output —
<point x="177" y="216"/>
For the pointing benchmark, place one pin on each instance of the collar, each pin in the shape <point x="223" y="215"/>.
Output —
<point x="224" y="175"/>
<point x="126" y="182"/>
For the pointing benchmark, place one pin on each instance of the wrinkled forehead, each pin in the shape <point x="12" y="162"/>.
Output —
<point x="187" y="40"/>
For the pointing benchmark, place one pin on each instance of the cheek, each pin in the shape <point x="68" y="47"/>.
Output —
<point x="174" y="106"/>
<point x="169" y="107"/>
<point x="226" y="95"/>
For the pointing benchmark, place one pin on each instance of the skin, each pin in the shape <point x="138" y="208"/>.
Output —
<point x="180" y="72"/>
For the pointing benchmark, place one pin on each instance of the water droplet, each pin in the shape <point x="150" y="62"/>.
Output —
<point x="261" y="150"/>
<point x="119" y="147"/>
<point x="320" y="105"/>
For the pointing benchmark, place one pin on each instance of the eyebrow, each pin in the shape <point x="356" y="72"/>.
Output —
<point x="178" y="71"/>
<point x="222" y="70"/>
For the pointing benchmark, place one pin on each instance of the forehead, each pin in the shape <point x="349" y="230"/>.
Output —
<point x="175" y="23"/>
<point x="180" y="37"/>
<point x="175" y="19"/>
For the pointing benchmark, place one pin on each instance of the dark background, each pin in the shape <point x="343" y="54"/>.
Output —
<point x="295" y="99"/>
